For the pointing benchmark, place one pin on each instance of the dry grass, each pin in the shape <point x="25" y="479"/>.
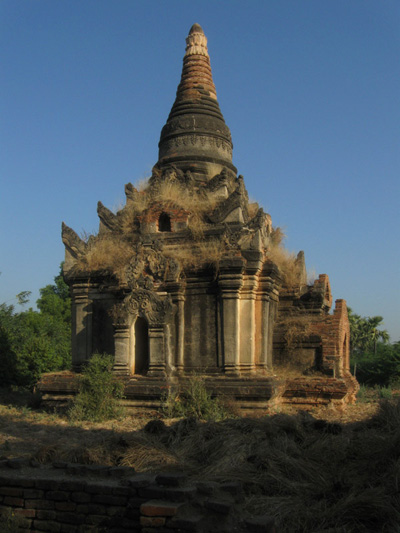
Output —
<point x="106" y="254"/>
<point x="184" y="197"/>
<point x="297" y="329"/>
<point x="112" y="252"/>
<point x="309" y="474"/>
<point x="252" y="209"/>
<point x="277" y="236"/>
<point x="198" y="255"/>
<point x="287" y="264"/>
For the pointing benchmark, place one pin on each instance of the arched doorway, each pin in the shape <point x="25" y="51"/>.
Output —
<point x="141" y="347"/>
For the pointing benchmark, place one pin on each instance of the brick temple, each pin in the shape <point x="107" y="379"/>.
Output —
<point x="189" y="277"/>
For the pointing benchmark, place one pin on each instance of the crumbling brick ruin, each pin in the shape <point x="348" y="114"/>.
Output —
<point x="190" y="277"/>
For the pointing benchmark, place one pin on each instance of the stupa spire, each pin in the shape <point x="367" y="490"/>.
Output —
<point x="196" y="71"/>
<point x="195" y="136"/>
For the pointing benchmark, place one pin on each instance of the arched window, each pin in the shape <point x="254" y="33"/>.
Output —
<point x="164" y="222"/>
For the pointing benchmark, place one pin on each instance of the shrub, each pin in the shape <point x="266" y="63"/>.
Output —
<point x="362" y="394"/>
<point x="193" y="401"/>
<point x="382" y="368"/>
<point x="99" y="392"/>
<point x="385" y="393"/>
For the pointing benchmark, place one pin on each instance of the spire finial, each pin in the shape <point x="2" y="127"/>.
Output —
<point x="196" y="42"/>
<point x="195" y="136"/>
<point x="196" y="28"/>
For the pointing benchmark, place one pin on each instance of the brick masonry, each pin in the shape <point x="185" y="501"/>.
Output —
<point x="59" y="499"/>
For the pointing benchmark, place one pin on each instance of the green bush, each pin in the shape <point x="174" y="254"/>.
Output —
<point x="99" y="392"/>
<point x="381" y="368"/>
<point x="385" y="393"/>
<point x="362" y="394"/>
<point x="193" y="401"/>
<point x="34" y="342"/>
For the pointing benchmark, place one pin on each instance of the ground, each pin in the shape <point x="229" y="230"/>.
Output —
<point x="318" y="471"/>
<point x="29" y="431"/>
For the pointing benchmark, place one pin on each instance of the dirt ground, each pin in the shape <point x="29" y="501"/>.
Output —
<point x="30" y="432"/>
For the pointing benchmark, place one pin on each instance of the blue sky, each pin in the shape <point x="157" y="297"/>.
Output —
<point x="310" y="90"/>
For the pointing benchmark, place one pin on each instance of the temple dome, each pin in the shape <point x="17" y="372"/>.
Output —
<point x="195" y="136"/>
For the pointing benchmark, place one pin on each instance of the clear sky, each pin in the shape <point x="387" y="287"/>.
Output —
<point x="310" y="90"/>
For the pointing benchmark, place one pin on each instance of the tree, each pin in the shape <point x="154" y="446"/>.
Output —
<point x="34" y="342"/>
<point x="374" y="360"/>
<point x="364" y="332"/>
<point x="381" y="367"/>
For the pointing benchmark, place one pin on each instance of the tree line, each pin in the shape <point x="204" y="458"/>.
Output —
<point x="374" y="360"/>
<point x="34" y="342"/>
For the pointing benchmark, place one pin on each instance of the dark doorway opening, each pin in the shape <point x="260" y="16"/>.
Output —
<point x="141" y="346"/>
<point x="164" y="222"/>
<point x="318" y="358"/>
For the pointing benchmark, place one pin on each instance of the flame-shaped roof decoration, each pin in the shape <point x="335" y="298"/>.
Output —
<point x="195" y="136"/>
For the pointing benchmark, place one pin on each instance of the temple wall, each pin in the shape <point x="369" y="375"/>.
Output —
<point x="334" y="331"/>
<point x="201" y="336"/>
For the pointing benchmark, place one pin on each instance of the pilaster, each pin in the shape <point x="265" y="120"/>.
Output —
<point x="81" y="325"/>
<point x="177" y="291"/>
<point x="157" y="352"/>
<point x="122" y="343"/>
<point x="230" y="282"/>
<point x="247" y="316"/>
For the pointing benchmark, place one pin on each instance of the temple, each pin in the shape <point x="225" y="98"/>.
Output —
<point x="190" y="277"/>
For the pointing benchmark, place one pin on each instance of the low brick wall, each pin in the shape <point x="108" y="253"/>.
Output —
<point x="75" y="498"/>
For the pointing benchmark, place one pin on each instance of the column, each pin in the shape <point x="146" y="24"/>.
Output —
<point x="177" y="291"/>
<point x="230" y="282"/>
<point x="81" y="326"/>
<point x="248" y="312"/>
<point x="122" y="343"/>
<point x="263" y="361"/>
<point x="156" y="350"/>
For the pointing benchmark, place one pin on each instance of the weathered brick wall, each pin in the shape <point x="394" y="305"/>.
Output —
<point x="75" y="498"/>
<point x="334" y="331"/>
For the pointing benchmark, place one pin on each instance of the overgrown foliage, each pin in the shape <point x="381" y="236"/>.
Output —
<point x="113" y="253"/>
<point x="296" y="329"/>
<point x="380" y="367"/>
<point x="193" y="401"/>
<point x="308" y="474"/>
<point x="99" y="393"/>
<point x="33" y="342"/>
<point x="365" y="332"/>
<point x="373" y="359"/>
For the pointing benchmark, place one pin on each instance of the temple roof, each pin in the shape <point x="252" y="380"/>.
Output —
<point x="195" y="136"/>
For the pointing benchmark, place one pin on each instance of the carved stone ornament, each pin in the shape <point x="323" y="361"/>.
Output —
<point x="108" y="218"/>
<point x="130" y="192"/>
<point x="238" y="198"/>
<point x="71" y="240"/>
<point x="148" y="304"/>
<point x="218" y="181"/>
<point x="231" y="239"/>
<point x="149" y="266"/>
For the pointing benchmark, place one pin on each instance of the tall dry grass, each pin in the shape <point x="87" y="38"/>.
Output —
<point x="287" y="264"/>
<point x="310" y="475"/>
<point x="297" y="329"/>
<point x="112" y="252"/>
<point x="200" y="254"/>
<point x="108" y="253"/>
